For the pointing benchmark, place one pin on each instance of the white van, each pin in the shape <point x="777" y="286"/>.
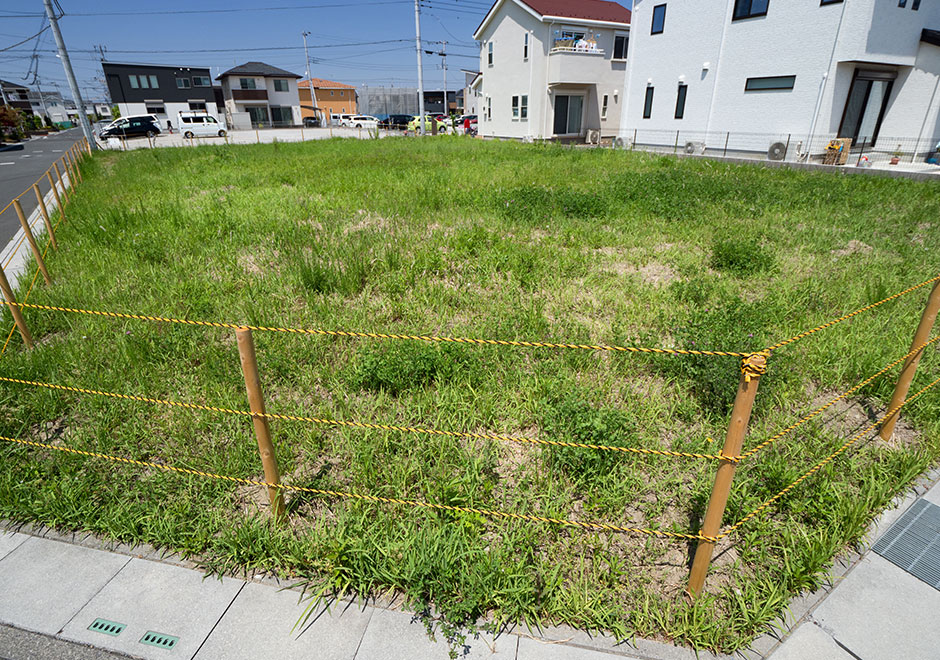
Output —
<point x="199" y="124"/>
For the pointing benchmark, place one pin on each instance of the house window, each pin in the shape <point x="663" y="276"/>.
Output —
<point x="153" y="82"/>
<point x="829" y="2"/>
<point x="915" y="5"/>
<point x="282" y="115"/>
<point x="281" y="86"/>
<point x="525" y="47"/>
<point x="680" y="100"/>
<point x="331" y="92"/>
<point x="134" y="83"/>
<point x="342" y="93"/>
<point x="648" y="104"/>
<point x="659" y="19"/>
<point x="489" y="108"/>
<point x="604" y="108"/>
<point x="202" y="81"/>
<point x="568" y="113"/>
<point x="183" y="83"/>
<point x="246" y="83"/>
<point x="515" y="107"/>
<point x="769" y="83"/>
<point x="489" y="53"/>
<point x="155" y="107"/>
<point x="524" y="108"/>
<point x="749" y="8"/>
<point x="902" y="3"/>
<point x="197" y="105"/>
<point x="621" y="41"/>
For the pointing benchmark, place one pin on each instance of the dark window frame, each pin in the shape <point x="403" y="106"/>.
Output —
<point x="281" y="81"/>
<point x="744" y="9"/>
<point x="183" y="83"/>
<point x="625" y="38"/>
<point x="681" y="96"/>
<point x="823" y="3"/>
<point x="902" y="4"/>
<point x="648" y="103"/>
<point x="662" y="20"/>
<point x="747" y="84"/>
<point x="915" y="5"/>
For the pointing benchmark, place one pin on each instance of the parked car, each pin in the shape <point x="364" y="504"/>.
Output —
<point x="363" y="121"/>
<point x="136" y="126"/>
<point x="344" y="119"/>
<point x="414" y="124"/>
<point x="311" y="122"/>
<point x="201" y="124"/>
<point x="399" y="122"/>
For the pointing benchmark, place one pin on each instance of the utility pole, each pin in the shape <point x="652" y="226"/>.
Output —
<point x="70" y="75"/>
<point x="420" y="68"/>
<point x="444" y="60"/>
<point x="307" y="59"/>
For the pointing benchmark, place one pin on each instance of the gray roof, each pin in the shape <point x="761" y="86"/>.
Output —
<point x="7" y="84"/>
<point x="257" y="69"/>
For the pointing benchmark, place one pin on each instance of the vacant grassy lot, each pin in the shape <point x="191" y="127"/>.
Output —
<point x="503" y="241"/>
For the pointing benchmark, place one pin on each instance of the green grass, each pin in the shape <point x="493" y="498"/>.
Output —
<point x="496" y="240"/>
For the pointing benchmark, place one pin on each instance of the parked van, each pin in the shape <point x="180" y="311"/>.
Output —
<point x="200" y="124"/>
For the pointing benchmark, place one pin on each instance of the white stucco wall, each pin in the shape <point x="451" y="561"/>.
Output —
<point x="796" y="38"/>
<point x="290" y="98"/>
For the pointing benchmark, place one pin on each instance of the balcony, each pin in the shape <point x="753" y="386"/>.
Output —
<point x="250" y="94"/>
<point x="578" y="46"/>
<point x="575" y="64"/>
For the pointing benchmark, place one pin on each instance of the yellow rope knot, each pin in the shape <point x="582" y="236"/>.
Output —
<point x="754" y="365"/>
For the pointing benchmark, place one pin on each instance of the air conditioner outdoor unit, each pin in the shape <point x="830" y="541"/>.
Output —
<point x="622" y="143"/>
<point x="593" y="136"/>
<point x="777" y="151"/>
<point x="694" y="147"/>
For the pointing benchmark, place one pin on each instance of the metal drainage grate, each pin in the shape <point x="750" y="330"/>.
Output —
<point x="913" y="542"/>
<point x="159" y="640"/>
<point x="107" y="627"/>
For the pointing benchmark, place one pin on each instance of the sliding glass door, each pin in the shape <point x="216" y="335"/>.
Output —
<point x="568" y="112"/>
<point x="866" y="104"/>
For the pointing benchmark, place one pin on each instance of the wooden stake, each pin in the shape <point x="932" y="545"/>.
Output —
<point x="257" y="136"/>
<point x="75" y="168"/>
<point x="32" y="241"/>
<point x="55" y="191"/>
<point x="45" y="216"/>
<point x="246" y="351"/>
<point x="910" y="365"/>
<point x="15" y="311"/>
<point x="65" y="193"/>
<point x="734" y="441"/>
<point x="67" y="168"/>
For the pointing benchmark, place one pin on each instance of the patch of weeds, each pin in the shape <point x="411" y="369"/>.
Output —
<point x="536" y="204"/>
<point x="572" y="419"/>
<point x="397" y="367"/>
<point x="741" y="256"/>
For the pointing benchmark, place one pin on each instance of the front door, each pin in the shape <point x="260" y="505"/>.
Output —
<point x="866" y="104"/>
<point x="568" y="111"/>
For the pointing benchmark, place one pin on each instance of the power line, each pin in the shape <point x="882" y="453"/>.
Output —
<point x="20" y="43"/>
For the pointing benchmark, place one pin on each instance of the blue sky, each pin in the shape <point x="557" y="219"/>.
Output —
<point x="332" y="23"/>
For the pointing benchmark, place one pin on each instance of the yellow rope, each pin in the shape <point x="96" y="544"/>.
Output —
<point x="365" y="425"/>
<point x="491" y="513"/>
<point x="844" y="395"/>
<point x="378" y="335"/>
<point x="816" y="468"/>
<point x="855" y="313"/>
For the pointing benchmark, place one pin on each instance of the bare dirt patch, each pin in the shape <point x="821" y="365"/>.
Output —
<point x="852" y="247"/>
<point x="847" y="417"/>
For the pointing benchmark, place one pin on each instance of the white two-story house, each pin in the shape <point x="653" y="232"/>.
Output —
<point x="552" y="69"/>
<point x="258" y="94"/>
<point x="754" y="73"/>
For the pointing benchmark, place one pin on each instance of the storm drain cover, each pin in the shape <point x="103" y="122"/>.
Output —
<point x="159" y="640"/>
<point x="913" y="542"/>
<point x="107" y="627"/>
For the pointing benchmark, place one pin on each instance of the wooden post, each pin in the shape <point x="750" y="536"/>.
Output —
<point x="246" y="351"/>
<point x="727" y="138"/>
<point x="15" y="311"/>
<point x="257" y="135"/>
<point x="65" y="193"/>
<point x="123" y="144"/>
<point x="302" y="132"/>
<point x="32" y="241"/>
<point x="910" y="364"/>
<point x="55" y="191"/>
<point x="754" y="366"/>
<point x="45" y="216"/>
<point x="87" y="146"/>
<point x="75" y="167"/>
<point x="67" y="166"/>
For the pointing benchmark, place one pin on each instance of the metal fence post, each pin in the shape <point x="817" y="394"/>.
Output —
<point x="246" y="353"/>
<point x="675" y="147"/>
<point x="727" y="138"/>
<point x="910" y="364"/>
<point x="751" y="370"/>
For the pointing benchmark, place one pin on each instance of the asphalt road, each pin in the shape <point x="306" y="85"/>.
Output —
<point x="19" y="169"/>
<point x="16" y="644"/>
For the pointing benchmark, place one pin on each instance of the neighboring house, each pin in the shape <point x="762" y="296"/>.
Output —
<point x="552" y="68"/>
<point x="471" y="91"/>
<point x="434" y="102"/>
<point x="161" y="90"/>
<point x="329" y="97"/>
<point x="760" y="72"/>
<point x="15" y="95"/>
<point x="258" y="94"/>
<point x="388" y="100"/>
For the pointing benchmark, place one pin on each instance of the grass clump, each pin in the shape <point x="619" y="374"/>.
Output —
<point x="740" y="256"/>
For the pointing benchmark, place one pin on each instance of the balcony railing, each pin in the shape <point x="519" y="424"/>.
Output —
<point x="580" y="46"/>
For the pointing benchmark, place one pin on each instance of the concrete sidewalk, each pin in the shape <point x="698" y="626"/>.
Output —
<point x="58" y="586"/>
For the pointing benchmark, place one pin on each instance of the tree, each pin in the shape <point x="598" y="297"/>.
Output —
<point x="10" y="121"/>
<point x="115" y="112"/>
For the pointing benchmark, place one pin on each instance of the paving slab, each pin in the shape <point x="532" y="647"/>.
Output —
<point x="10" y="541"/>
<point x="880" y="611"/>
<point x="933" y="495"/>
<point x="396" y="635"/>
<point x="260" y="622"/>
<point x="534" y="649"/>
<point x="809" y="642"/>
<point x="148" y="596"/>
<point x="45" y="583"/>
